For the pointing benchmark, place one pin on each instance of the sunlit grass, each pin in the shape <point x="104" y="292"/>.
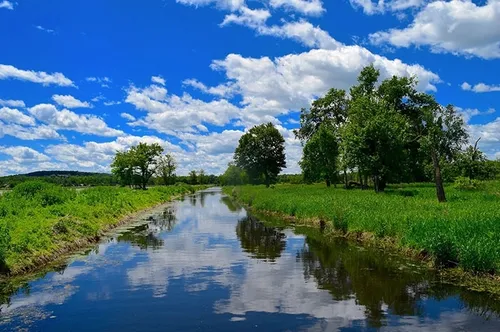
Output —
<point x="38" y="219"/>
<point x="464" y="231"/>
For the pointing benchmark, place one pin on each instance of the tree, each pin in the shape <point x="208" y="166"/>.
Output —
<point x="320" y="156"/>
<point x="331" y="108"/>
<point x="201" y="176"/>
<point x="375" y="133"/>
<point x="193" y="177"/>
<point x="234" y="176"/>
<point x="443" y="135"/>
<point x="166" y="169"/>
<point x="139" y="162"/>
<point x="261" y="152"/>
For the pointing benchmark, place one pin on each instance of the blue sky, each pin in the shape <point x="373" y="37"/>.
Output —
<point x="82" y="79"/>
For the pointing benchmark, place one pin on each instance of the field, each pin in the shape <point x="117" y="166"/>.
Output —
<point x="38" y="220"/>
<point x="463" y="232"/>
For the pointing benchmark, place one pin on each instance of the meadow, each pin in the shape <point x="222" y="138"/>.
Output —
<point x="38" y="220"/>
<point x="463" y="232"/>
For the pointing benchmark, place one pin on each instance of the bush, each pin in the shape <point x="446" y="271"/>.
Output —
<point x="463" y="183"/>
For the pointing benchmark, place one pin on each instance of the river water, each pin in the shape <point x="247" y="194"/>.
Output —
<point x="203" y="264"/>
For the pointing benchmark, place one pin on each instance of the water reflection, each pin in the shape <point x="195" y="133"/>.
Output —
<point x="203" y="263"/>
<point x="260" y="241"/>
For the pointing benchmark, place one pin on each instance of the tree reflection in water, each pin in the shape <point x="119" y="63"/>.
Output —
<point x="146" y="235"/>
<point x="260" y="241"/>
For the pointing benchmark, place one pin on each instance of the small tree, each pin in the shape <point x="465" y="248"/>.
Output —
<point x="140" y="161"/>
<point x="320" y="155"/>
<point x="166" y="169"/>
<point x="201" y="176"/>
<point x="234" y="175"/>
<point x="193" y="177"/>
<point x="261" y="152"/>
<point x="443" y="135"/>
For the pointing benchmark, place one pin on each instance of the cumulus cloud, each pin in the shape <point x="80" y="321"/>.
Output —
<point x="457" y="27"/>
<point x="12" y="103"/>
<point x="70" y="101"/>
<point x="158" y="80"/>
<point x="480" y="87"/>
<point x="223" y="90"/>
<point x="127" y="116"/>
<point x="68" y="120"/>
<point x="42" y="132"/>
<point x="11" y="115"/>
<point x="231" y="5"/>
<point x="112" y="103"/>
<point x="172" y="114"/>
<point x="41" y="77"/>
<point x="469" y="113"/>
<point x="7" y="5"/>
<point x="371" y="7"/>
<point x="23" y="154"/>
<point x="306" y="7"/>
<point x="490" y="137"/>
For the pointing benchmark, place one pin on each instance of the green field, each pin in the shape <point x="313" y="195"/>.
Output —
<point x="39" y="219"/>
<point x="464" y="232"/>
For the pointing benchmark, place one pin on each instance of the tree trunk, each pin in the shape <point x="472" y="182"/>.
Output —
<point x="328" y="182"/>
<point x="345" y="178"/>
<point x="441" y="196"/>
<point x="268" y="180"/>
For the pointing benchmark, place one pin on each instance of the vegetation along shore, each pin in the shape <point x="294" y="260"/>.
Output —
<point x="39" y="221"/>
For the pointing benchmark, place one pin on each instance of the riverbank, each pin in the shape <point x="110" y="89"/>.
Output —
<point x="40" y="222"/>
<point x="463" y="233"/>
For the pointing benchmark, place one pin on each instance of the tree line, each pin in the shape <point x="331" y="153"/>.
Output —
<point x="379" y="132"/>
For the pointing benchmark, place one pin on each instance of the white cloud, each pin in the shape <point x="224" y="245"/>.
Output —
<point x="231" y="5"/>
<point x="222" y="90"/>
<point x="158" y="80"/>
<point x="7" y="5"/>
<point x="127" y="116"/>
<point x="70" y="101"/>
<point x="12" y="103"/>
<point x="11" y="72"/>
<point x="457" y="27"/>
<point x="248" y="17"/>
<point x="42" y="132"/>
<point x="371" y="7"/>
<point x="469" y="113"/>
<point x="23" y="154"/>
<point x="490" y="137"/>
<point x="172" y="114"/>
<point x="306" y="7"/>
<point x="480" y="87"/>
<point x="41" y="28"/>
<point x="112" y="103"/>
<point x="103" y="81"/>
<point x="11" y="115"/>
<point x="68" y="120"/>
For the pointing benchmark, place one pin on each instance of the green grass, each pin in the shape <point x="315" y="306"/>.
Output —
<point x="464" y="231"/>
<point x="38" y="219"/>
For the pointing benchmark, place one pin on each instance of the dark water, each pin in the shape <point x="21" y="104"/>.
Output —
<point x="203" y="264"/>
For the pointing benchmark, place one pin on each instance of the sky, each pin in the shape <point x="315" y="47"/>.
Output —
<point x="80" y="80"/>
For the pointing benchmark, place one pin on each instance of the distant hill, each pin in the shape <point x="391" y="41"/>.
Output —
<point x="60" y="173"/>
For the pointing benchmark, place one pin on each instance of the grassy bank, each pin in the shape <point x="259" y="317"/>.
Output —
<point x="39" y="220"/>
<point x="464" y="232"/>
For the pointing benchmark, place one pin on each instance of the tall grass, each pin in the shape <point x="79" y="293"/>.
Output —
<point x="38" y="219"/>
<point x="464" y="231"/>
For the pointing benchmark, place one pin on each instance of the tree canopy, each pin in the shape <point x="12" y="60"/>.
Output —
<point x="261" y="153"/>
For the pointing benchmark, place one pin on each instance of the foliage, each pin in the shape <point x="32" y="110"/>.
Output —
<point x="138" y="164"/>
<point x="464" y="183"/>
<point x="465" y="231"/>
<point x="234" y="176"/>
<point x="261" y="152"/>
<point x="320" y="155"/>
<point x="193" y="177"/>
<point x="166" y="169"/>
<point x="37" y="219"/>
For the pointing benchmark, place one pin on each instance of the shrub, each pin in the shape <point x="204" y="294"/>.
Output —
<point x="463" y="183"/>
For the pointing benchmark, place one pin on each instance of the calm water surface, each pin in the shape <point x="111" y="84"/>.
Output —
<point x="204" y="264"/>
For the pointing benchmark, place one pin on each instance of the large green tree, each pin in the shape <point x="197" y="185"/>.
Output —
<point x="261" y="152"/>
<point x="139" y="162"/>
<point x="320" y="156"/>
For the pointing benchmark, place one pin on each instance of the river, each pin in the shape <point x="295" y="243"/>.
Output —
<point x="203" y="264"/>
